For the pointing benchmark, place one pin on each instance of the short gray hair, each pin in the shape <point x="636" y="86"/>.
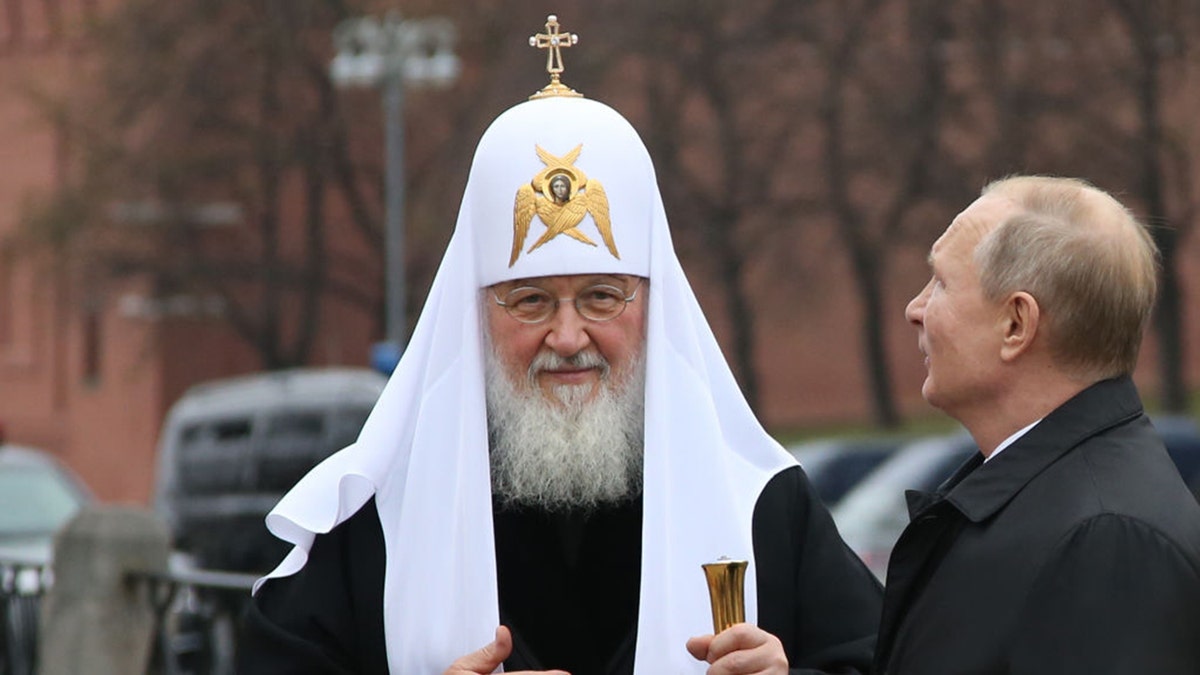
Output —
<point x="1089" y="263"/>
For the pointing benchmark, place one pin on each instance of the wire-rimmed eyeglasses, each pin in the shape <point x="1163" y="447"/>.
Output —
<point x="598" y="302"/>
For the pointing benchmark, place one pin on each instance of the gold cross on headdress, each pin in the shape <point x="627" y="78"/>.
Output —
<point x="554" y="42"/>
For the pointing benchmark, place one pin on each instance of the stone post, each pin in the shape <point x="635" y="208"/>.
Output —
<point x="93" y="620"/>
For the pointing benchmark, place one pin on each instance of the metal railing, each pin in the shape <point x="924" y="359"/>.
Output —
<point x="24" y="579"/>
<point x="196" y="613"/>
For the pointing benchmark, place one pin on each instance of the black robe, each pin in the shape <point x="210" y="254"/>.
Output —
<point x="568" y="589"/>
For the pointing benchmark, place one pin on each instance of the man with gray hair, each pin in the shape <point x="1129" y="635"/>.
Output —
<point x="559" y="451"/>
<point x="1069" y="544"/>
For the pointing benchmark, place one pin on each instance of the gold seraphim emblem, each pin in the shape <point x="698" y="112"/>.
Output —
<point x="561" y="195"/>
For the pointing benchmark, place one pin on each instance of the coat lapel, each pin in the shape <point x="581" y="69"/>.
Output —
<point x="933" y="526"/>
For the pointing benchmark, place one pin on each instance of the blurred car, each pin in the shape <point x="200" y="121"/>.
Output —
<point x="871" y="516"/>
<point x="1181" y="436"/>
<point x="38" y="495"/>
<point x="230" y="448"/>
<point x="834" y="465"/>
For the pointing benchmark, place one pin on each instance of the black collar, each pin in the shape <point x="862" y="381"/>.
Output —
<point x="979" y="490"/>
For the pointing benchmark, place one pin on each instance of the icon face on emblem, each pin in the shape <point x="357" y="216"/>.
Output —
<point x="560" y="187"/>
<point x="560" y="195"/>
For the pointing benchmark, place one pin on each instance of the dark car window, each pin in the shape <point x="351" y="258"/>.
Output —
<point x="294" y="443"/>
<point x="217" y="430"/>
<point x="210" y="455"/>
<point x="1185" y="452"/>
<point x="840" y="474"/>
<point x="296" y="425"/>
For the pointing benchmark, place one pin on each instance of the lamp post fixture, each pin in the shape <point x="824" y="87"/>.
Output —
<point x="390" y="53"/>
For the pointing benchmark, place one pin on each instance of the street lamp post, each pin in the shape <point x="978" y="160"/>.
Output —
<point x="389" y="54"/>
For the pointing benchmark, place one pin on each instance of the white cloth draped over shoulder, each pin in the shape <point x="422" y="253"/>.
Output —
<point x="423" y="451"/>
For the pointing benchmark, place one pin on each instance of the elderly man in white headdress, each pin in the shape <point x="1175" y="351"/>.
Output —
<point x="558" y="452"/>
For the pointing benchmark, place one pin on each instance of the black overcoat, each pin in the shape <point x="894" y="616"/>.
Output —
<point x="1075" y="550"/>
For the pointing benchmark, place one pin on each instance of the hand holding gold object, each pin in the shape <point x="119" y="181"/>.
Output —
<point x="726" y="579"/>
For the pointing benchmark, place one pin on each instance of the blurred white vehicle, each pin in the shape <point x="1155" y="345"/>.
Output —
<point x="874" y="512"/>
<point x="230" y="448"/>
<point x="834" y="465"/>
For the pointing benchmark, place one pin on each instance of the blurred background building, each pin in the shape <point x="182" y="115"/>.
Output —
<point x="186" y="193"/>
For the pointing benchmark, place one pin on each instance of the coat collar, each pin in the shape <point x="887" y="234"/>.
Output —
<point x="978" y="490"/>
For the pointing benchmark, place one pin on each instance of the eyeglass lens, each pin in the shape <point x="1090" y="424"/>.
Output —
<point x="598" y="303"/>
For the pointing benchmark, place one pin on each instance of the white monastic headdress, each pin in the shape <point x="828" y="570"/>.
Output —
<point x="423" y="451"/>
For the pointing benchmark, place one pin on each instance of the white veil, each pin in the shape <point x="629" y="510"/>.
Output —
<point x="423" y="451"/>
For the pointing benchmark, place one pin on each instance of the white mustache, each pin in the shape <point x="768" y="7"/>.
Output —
<point x="548" y="360"/>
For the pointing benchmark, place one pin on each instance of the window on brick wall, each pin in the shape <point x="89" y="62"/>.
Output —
<point x="92" y="341"/>
<point x="33" y="25"/>
<point x="7" y="302"/>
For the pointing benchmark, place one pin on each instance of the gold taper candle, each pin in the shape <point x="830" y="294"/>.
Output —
<point x="726" y="579"/>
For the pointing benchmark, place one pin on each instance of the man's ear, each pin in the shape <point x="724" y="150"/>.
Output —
<point x="1020" y="316"/>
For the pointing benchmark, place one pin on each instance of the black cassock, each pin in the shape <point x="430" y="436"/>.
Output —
<point x="568" y="590"/>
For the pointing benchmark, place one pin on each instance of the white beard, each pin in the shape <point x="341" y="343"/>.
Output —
<point x="572" y="453"/>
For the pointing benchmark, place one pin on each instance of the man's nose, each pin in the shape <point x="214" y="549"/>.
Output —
<point x="915" y="311"/>
<point x="568" y="331"/>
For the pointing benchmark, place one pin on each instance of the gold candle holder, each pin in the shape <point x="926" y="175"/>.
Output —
<point x="726" y="579"/>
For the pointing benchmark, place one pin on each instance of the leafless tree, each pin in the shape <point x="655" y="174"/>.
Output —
<point x="882" y="109"/>
<point x="1160" y="34"/>
<point x="1099" y="92"/>
<point x="704" y="79"/>
<point x="201" y="111"/>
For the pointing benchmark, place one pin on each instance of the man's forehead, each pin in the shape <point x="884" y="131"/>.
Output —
<point x="566" y="280"/>
<point x="972" y="225"/>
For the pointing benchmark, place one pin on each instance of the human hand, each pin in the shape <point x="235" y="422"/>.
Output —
<point x="741" y="649"/>
<point x="489" y="658"/>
